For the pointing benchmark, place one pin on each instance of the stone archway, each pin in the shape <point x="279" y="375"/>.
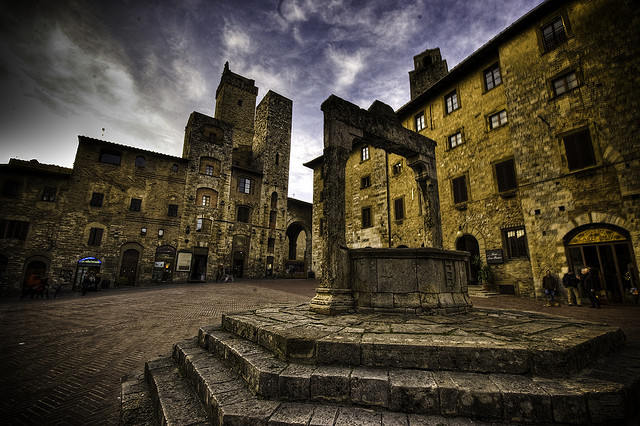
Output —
<point x="345" y="126"/>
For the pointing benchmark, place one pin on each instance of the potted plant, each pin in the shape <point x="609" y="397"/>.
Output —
<point x="485" y="273"/>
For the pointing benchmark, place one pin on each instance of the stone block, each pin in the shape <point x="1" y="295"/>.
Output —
<point x="324" y="415"/>
<point x="330" y="384"/>
<point x="365" y="278"/>
<point x="429" y="301"/>
<point x="397" y="275"/>
<point x="289" y="414"/>
<point x="295" y="382"/>
<point x="261" y="371"/>
<point x="406" y="300"/>
<point x="523" y="401"/>
<point x="254" y="411"/>
<point x="413" y="392"/>
<point x="343" y="348"/>
<point x="351" y="416"/>
<point x="370" y="387"/>
<point x="568" y="405"/>
<point x="392" y="350"/>
<point x="478" y="396"/>
<point x="447" y="393"/>
<point x="382" y="300"/>
<point x="430" y="273"/>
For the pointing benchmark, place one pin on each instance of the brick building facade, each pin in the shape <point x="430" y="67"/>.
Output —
<point x="134" y="217"/>
<point x="538" y="152"/>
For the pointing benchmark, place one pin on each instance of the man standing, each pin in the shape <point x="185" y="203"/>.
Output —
<point x="570" y="282"/>
<point x="590" y="285"/>
<point x="550" y="287"/>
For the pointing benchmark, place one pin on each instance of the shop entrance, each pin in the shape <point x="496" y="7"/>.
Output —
<point x="606" y="249"/>
<point x="86" y="266"/>
<point x="199" y="265"/>
<point x="163" y="264"/>
<point x="129" y="266"/>
<point x="238" y="264"/>
<point x="469" y="243"/>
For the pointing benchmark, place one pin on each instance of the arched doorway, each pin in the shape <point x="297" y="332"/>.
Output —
<point x="129" y="266"/>
<point x="295" y="263"/>
<point x="468" y="242"/>
<point x="607" y="250"/>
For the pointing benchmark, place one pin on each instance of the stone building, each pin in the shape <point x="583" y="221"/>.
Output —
<point x="538" y="152"/>
<point x="134" y="217"/>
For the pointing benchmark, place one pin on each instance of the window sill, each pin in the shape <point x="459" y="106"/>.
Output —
<point x="508" y="194"/>
<point x="460" y="206"/>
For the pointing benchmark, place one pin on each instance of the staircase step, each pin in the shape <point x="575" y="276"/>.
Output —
<point x="495" y="397"/>
<point x="174" y="401"/>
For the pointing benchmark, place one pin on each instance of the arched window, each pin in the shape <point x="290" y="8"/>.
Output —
<point x="206" y="197"/>
<point x="209" y="166"/>
<point x="140" y="161"/>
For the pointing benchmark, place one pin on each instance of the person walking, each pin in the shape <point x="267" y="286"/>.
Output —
<point x="550" y="287"/>
<point x="570" y="282"/>
<point x="591" y="287"/>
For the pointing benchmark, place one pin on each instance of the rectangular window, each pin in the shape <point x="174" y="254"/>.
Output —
<point x="397" y="168"/>
<point x="364" y="153"/>
<point x="553" y="34"/>
<point x="244" y="185"/>
<point x="398" y="205"/>
<point x="95" y="236"/>
<point x="365" y="182"/>
<point x="135" y="205"/>
<point x="506" y="175"/>
<point x="455" y="140"/>
<point x="110" y="157"/>
<point x="14" y="229"/>
<point x="173" y="210"/>
<point x="419" y="121"/>
<point x="272" y="219"/>
<point x="96" y="199"/>
<point x="579" y="150"/>
<point x="492" y="77"/>
<point x="206" y="200"/>
<point x="459" y="186"/>
<point x="203" y="225"/>
<point x="516" y="242"/>
<point x="451" y="102"/>
<point x="498" y="119"/>
<point x="271" y="244"/>
<point x="10" y="188"/>
<point x="565" y="83"/>
<point x="242" y="214"/>
<point x="49" y="193"/>
<point x="208" y="170"/>
<point x="366" y="217"/>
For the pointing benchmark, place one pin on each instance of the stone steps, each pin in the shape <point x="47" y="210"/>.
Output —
<point x="223" y="377"/>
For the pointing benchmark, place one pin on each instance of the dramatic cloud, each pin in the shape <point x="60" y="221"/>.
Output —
<point x="138" y="69"/>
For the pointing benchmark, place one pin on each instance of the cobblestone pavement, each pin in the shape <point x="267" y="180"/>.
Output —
<point x="62" y="360"/>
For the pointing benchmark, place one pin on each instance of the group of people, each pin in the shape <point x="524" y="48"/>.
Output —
<point x="37" y="287"/>
<point x="224" y="274"/>
<point x="571" y="282"/>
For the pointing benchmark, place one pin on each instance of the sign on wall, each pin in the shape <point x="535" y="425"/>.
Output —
<point x="494" y="257"/>
<point x="184" y="262"/>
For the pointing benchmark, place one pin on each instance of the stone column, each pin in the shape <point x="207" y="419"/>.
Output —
<point x="334" y="295"/>
<point x="425" y="171"/>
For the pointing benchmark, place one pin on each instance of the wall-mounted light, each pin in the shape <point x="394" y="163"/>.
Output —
<point x="459" y="233"/>
<point x="143" y="231"/>
<point x="187" y="230"/>
<point x="160" y="233"/>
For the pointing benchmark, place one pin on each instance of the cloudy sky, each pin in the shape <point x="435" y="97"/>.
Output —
<point x="131" y="71"/>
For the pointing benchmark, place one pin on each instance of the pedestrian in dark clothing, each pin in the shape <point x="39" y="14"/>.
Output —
<point x="550" y="287"/>
<point x="590" y="286"/>
<point x="570" y="282"/>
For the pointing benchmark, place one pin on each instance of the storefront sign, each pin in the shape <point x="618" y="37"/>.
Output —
<point x="597" y="235"/>
<point x="184" y="262"/>
<point x="90" y="261"/>
<point x="158" y="265"/>
<point x="494" y="257"/>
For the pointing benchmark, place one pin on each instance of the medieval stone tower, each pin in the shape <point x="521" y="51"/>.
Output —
<point x="240" y="157"/>
<point x="428" y="69"/>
